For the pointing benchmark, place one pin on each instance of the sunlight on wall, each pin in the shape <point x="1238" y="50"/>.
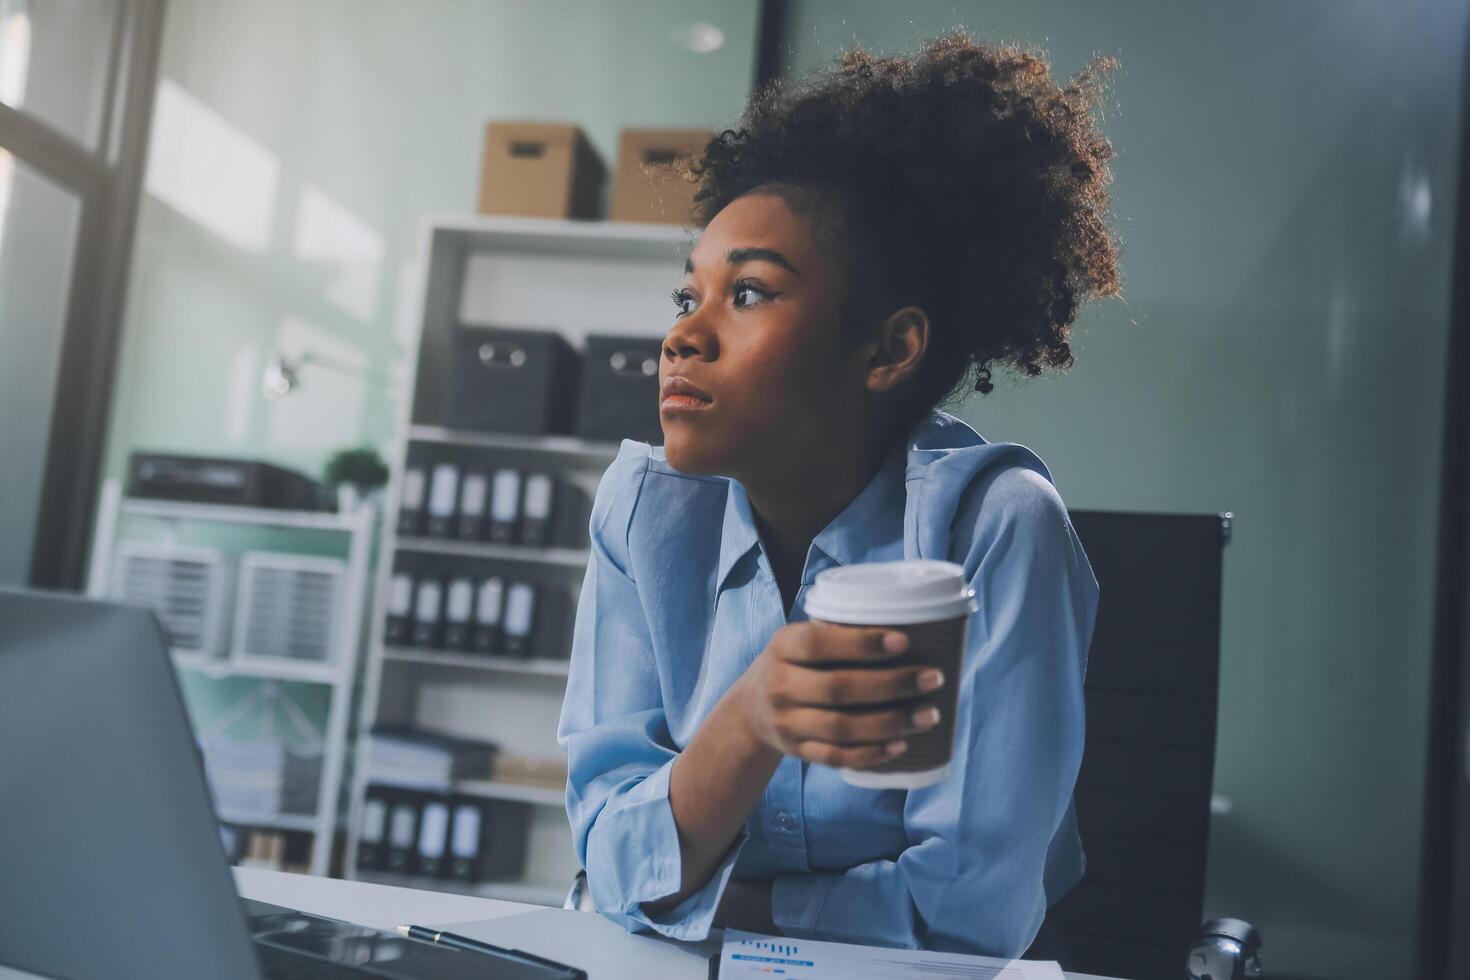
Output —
<point x="209" y="171"/>
<point x="7" y="181"/>
<point x="15" y="59"/>
<point x="15" y="51"/>
<point x="346" y="249"/>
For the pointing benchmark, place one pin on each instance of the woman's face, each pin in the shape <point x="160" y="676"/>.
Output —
<point x="757" y="369"/>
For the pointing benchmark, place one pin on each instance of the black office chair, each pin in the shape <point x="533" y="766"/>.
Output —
<point x="1143" y="794"/>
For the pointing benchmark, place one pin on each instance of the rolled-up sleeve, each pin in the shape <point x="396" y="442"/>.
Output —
<point x="972" y="877"/>
<point x="613" y="729"/>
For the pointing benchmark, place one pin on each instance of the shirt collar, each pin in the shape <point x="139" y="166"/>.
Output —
<point x="738" y="535"/>
<point x="872" y="519"/>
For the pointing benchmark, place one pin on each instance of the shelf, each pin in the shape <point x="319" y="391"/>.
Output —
<point x="576" y="278"/>
<point x="279" y="821"/>
<point x="491" y="789"/>
<point x="548" y="893"/>
<point x="541" y="666"/>
<point x="561" y="557"/>
<point x="120" y="517"/>
<point x="280" y="670"/>
<point x="562" y="237"/>
<point x="265" y="516"/>
<point x="581" y="450"/>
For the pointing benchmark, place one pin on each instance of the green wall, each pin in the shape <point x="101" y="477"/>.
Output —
<point x="1285" y="185"/>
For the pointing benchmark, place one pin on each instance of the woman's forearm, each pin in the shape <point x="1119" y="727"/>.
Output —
<point x="714" y="784"/>
<point x="746" y="904"/>
<point x="790" y="701"/>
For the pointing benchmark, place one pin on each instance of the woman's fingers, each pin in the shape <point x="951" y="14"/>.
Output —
<point x="825" y="643"/>
<point x="856" y="728"/>
<point x="857" y="686"/>
<point x="834" y="695"/>
<point x="848" y="757"/>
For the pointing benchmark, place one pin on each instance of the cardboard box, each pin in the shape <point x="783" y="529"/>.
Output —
<point x="544" y="170"/>
<point x="646" y="186"/>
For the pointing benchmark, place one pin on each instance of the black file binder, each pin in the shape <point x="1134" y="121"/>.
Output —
<point x="465" y="837"/>
<point x="536" y="509"/>
<point x="459" y="606"/>
<point x="372" y="834"/>
<point x="403" y="832"/>
<point x="443" y="500"/>
<point x="433" y="837"/>
<point x="411" y="500"/>
<point x="505" y="505"/>
<point x="486" y="636"/>
<point x="428" y="613"/>
<point x="398" y="628"/>
<point x="520" y="619"/>
<point x="474" y="492"/>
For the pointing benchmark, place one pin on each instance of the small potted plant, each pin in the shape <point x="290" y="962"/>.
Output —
<point x="355" y="473"/>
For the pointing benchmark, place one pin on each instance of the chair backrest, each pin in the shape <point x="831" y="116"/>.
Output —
<point x="1143" y="794"/>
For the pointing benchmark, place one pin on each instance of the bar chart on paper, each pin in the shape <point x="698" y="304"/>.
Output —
<point x="767" y="956"/>
<point x="746" y="954"/>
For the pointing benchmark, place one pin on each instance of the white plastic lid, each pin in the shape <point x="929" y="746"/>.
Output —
<point x="891" y="593"/>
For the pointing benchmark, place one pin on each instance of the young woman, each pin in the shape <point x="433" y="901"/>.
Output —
<point x="871" y="239"/>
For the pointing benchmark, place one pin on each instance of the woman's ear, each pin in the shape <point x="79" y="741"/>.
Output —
<point x="899" y="347"/>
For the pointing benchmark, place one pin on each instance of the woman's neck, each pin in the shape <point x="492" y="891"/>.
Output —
<point x="799" y="497"/>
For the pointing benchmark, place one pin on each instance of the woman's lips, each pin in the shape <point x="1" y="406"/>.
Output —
<point x="682" y="403"/>
<point x="679" y="395"/>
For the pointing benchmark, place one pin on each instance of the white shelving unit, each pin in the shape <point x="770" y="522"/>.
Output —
<point x="338" y="674"/>
<point x="574" y="278"/>
<point x="465" y="661"/>
<point x="564" y="557"/>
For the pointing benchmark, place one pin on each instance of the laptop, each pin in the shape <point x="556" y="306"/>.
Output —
<point x="111" y="860"/>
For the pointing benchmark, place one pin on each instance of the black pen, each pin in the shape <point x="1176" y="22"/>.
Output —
<point x="449" y="939"/>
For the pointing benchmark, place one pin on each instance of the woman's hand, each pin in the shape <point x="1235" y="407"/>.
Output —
<point x="820" y="692"/>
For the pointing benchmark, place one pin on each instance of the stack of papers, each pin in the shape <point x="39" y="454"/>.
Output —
<point x="260" y="778"/>
<point x="746" y="954"/>
<point x="413" y="759"/>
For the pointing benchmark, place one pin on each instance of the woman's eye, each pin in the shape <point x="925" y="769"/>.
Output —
<point x="745" y="289"/>
<point x="684" y="302"/>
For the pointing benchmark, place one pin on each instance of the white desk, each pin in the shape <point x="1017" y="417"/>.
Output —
<point x="378" y="906"/>
<point x="383" y="907"/>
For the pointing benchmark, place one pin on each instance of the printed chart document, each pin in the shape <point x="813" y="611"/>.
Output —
<point x="750" y="955"/>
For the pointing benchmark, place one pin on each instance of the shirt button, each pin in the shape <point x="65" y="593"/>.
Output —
<point x="784" y="820"/>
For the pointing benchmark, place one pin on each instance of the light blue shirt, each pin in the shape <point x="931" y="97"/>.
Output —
<point x="679" y="599"/>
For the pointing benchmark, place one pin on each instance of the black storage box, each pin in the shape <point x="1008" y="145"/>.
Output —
<point x="521" y="381"/>
<point x="214" y="480"/>
<point x="619" y="397"/>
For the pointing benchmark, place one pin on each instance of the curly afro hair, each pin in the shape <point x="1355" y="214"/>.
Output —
<point x="962" y="180"/>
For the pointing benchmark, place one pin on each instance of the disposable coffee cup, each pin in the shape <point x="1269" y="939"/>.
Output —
<point x="931" y="602"/>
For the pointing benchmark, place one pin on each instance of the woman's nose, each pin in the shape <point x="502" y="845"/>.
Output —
<point x="689" y="338"/>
